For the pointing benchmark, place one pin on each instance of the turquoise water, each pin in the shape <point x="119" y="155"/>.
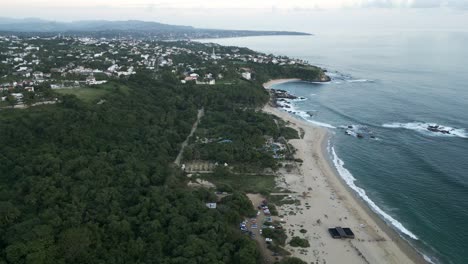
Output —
<point x="389" y="87"/>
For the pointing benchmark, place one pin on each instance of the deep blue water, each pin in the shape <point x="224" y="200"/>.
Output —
<point x="391" y="86"/>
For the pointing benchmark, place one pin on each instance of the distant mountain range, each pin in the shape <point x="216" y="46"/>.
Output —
<point x="133" y="28"/>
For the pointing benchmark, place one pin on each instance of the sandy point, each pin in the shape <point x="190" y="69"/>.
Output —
<point x="271" y="83"/>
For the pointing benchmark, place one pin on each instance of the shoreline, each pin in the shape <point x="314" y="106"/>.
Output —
<point x="376" y="241"/>
<point x="271" y="83"/>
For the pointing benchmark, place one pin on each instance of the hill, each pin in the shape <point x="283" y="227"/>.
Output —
<point x="132" y="28"/>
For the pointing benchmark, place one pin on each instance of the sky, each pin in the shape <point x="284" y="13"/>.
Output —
<point x="302" y="4"/>
<point x="300" y="15"/>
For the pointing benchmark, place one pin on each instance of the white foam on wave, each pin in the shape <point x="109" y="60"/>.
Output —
<point x="299" y="99"/>
<point x="359" y="81"/>
<point x="350" y="181"/>
<point x="428" y="259"/>
<point x="289" y="107"/>
<point x="319" y="82"/>
<point x="422" y="127"/>
<point x="333" y="74"/>
<point x="320" y="124"/>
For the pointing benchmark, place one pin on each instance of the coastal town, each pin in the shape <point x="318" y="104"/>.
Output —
<point x="30" y="66"/>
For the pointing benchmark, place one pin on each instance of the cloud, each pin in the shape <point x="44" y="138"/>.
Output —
<point x="426" y="3"/>
<point x="298" y="5"/>
<point x="461" y="4"/>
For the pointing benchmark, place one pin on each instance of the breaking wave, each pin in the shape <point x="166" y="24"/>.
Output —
<point x="359" y="81"/>
<point x="423" y="128"/>
<point x="289" y="107"/>
<point x="320" y="124"/>
<point x="350" y="181"/>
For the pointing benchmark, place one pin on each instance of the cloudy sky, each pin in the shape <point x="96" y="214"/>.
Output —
<point x="307" y="4"/>
<point x="303" y="15"/>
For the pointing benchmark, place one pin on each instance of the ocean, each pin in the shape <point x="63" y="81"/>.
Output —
<point x="387" y="88"/>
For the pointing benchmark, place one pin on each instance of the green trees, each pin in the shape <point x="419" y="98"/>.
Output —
<point x="87" y="183"/>
<point x="11" y="100"/>
<point x="8" y="213"/>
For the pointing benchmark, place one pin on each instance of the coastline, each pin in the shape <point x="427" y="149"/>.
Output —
<point x="269" y="84"/>
<point x="331" y="202"/>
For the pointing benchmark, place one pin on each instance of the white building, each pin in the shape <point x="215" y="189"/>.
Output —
<point x="247" y="75"/>
<point x="211" y="205"/>
<point x="17" y="96"/>
<point x="91" y="80"/>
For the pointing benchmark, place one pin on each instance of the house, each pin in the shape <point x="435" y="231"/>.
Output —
<point x="38" y="75"/>
<point x="90" y="80"/>
<point x="211" y="205"/>
<point x="29" y="89"/>
<point x="247" y="75"/>
<point x="113" y="68"/>
<point x="17" y="96"/>
<point x="190" y="78"/>
<point x="97" y="55"/>
<point x="207" y="81"/>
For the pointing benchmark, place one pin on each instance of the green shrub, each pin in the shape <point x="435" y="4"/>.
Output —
<point x="299" y="242"/>
<point x="278" y="235"/>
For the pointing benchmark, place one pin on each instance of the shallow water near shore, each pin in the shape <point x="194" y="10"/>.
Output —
<point x="387" y="88"/>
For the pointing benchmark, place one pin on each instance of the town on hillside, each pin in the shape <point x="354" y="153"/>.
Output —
<point x="32" y="68"/>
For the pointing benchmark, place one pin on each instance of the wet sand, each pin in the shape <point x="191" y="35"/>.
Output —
<point x="326" y="201"/>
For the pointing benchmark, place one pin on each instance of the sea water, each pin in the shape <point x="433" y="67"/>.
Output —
<point x="387" y="88"/>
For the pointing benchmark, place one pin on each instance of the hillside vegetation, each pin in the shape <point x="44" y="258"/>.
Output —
<point x="94" y="183"/>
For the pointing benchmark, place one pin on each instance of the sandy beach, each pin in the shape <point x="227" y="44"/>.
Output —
<point x="325" y="202"/>
<point x="269" y="84"/>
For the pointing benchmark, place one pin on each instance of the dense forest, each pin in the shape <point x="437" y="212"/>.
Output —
<point x="87" y="182"/>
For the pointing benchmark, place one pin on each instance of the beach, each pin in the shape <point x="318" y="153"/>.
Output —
<point x="269" y="84"/>
<point x="327" y="202"/>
